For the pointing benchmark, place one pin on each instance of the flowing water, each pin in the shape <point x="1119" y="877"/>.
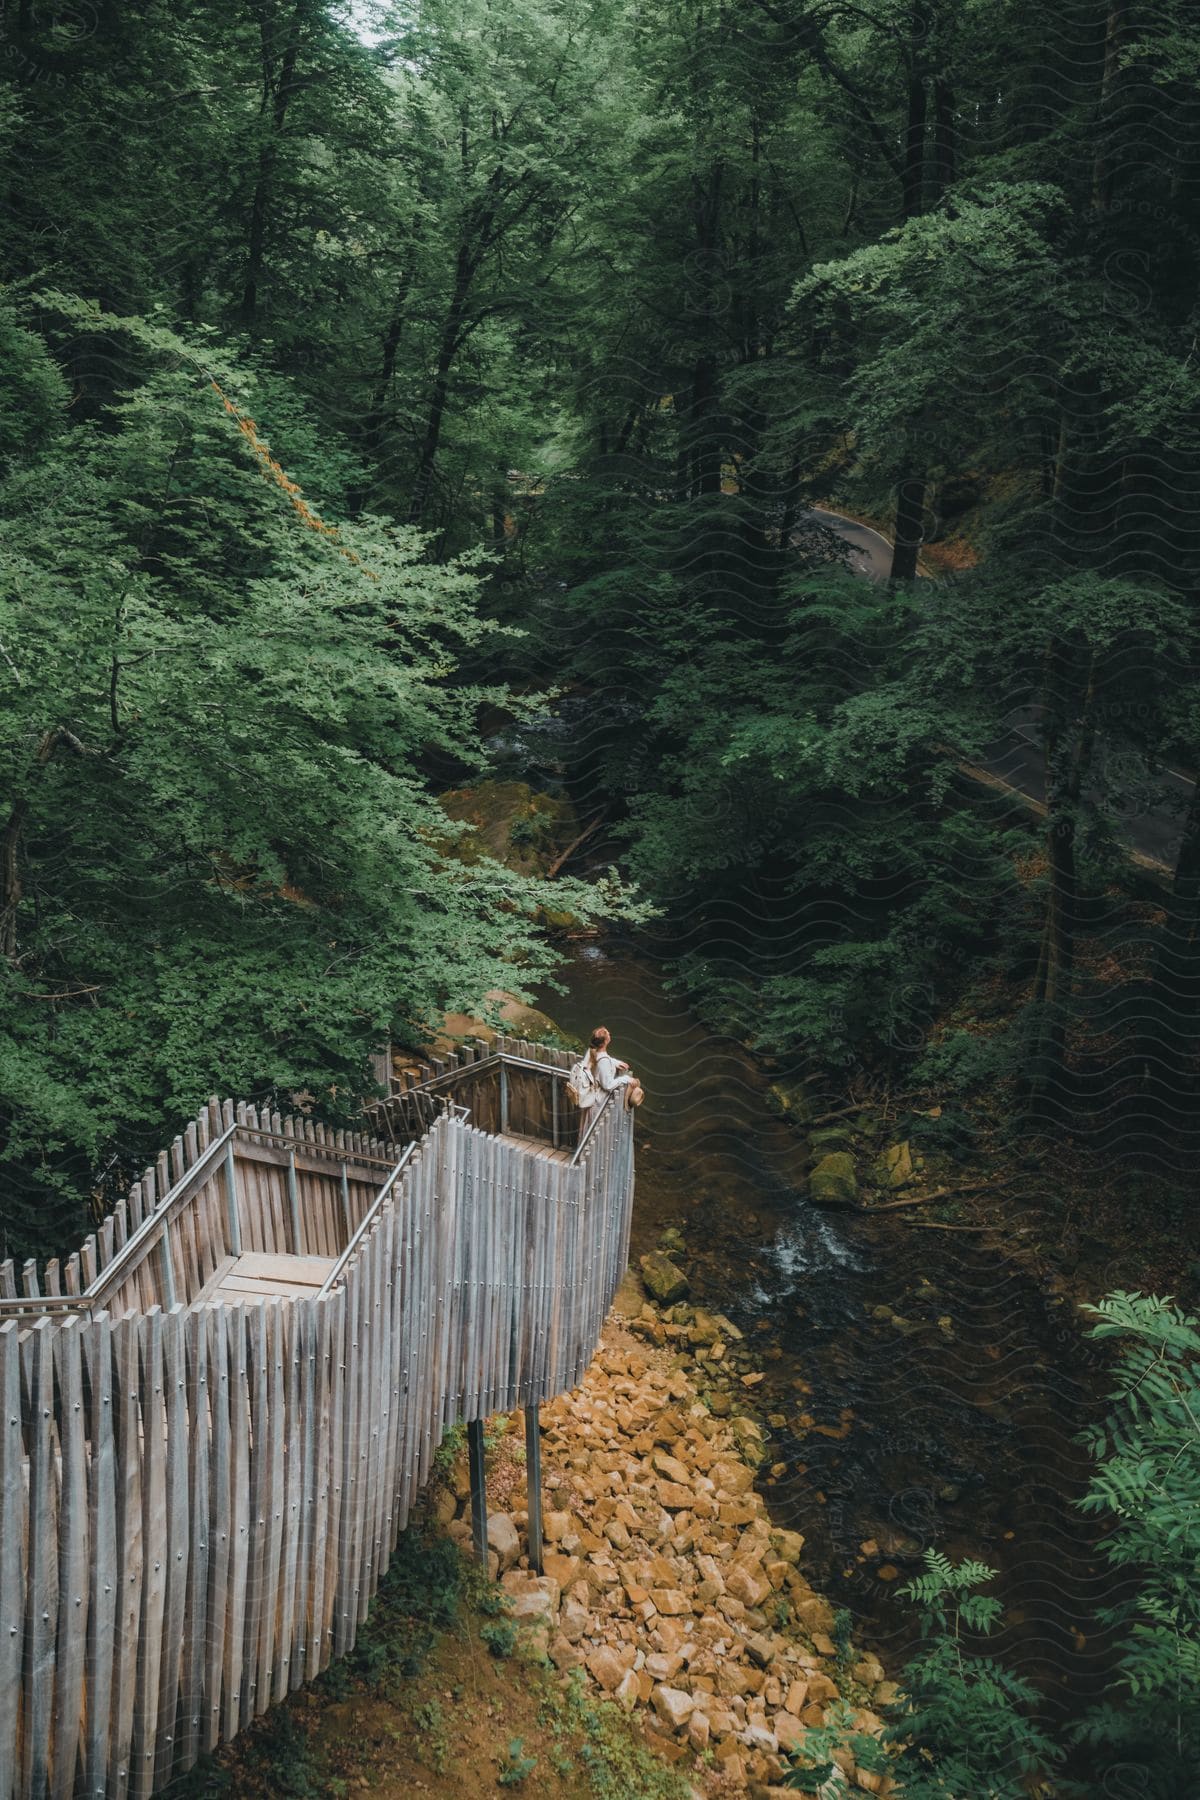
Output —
<point x="921" y="1389"/>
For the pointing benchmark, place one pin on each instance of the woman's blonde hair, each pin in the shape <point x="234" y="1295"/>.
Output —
<point x="601" y="1037"/>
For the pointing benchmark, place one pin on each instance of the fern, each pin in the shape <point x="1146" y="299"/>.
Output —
<point x="1147" y="1483"/>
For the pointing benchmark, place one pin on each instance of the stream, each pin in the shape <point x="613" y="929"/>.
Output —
<point x="947" y="1420"/>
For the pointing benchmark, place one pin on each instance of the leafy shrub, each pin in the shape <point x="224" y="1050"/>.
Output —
<point x="964" y="1729"/>
<point x="1148" y="1485"/>
<point x="965" y="1726"/>
<point x="516" y="1765"/>
<point x="500" y="1637"/>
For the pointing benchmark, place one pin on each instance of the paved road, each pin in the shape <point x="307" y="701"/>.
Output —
<point x="870" y="551"/>
<point x="1014" y="762"/>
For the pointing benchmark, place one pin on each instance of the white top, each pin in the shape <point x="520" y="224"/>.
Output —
<point x="606" y="1075"/>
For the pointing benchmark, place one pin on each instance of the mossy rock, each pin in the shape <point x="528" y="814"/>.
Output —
<point x="831" y="1137"/>
<point x="896" y="1166"/>
<point x="555" y="919"/>
<point x="662" y="1279"/>
<point x="833" y="1181"/>
<point x="790" y="1100"/>
<point x="513" y="823"/>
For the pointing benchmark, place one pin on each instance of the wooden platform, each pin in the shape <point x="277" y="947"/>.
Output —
<point x="535" y="1143"/>
<point x="257" y="1275"/>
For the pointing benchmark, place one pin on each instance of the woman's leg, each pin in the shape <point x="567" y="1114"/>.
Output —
<point x="585" y="1119"/>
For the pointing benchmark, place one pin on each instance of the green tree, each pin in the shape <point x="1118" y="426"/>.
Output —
<point x="223" y="864"/>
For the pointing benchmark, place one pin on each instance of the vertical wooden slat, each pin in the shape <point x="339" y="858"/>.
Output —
<point x="347" y="1469"/>
<point x="13" y="1534"/>
<point x="259" y="1469"/>
<point x="220" y="1522"/>
<point x="235" y="1673"/>
<point x="477" y="1278"/>
<point x="426" y="1226"/>
<point x="192" y="1688"/>
<point x="273" y="1439"/>
<point x="41" y="1598"/>
<point x="293" y="1193"/>
<point x="369" y="1432"/>
<point x="176" y="1544"/>
<point x="292" y="1329"/>
<point x="405" y="1346"/>
<point x="126" y="1408"/>
<point x="326" y="1313"/>
<point x="103" y="1562"/>
<point x="448" y="1217"/>
<point x="390" y="1384"/>
<point x="73" y="1552"/>
<point x="154" y="1534"/>
<point x="308" y="1314"/>
<point x="330" y="1512"/>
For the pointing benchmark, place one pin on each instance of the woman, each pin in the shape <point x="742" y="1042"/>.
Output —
<point x="607" y="1074"/>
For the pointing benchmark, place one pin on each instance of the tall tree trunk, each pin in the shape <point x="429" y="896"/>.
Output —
<point x="278" y="85"/>
<point x="448" y="348"/>
<point x="701" y="431"/>
<point x="1106" y="159"/>
<point x="909" y="527"/>
<point x="12" y="889"/>
<point x="913" y="184"/>
<point x="912" y="172"/>
<point x="912" y="487"/>
<point x="945" y="143"/>
<point x="1068" y="763"/>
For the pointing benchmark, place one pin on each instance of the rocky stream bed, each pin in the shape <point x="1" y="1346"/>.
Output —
<point x="664" y="1577"/>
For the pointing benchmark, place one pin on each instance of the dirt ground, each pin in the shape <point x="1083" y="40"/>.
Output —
<point x="451" y="1736"/>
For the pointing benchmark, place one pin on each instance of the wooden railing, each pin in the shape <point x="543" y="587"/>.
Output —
<point x="198" y="1499"/>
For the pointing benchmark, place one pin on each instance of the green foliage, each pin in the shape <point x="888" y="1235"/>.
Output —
<point x="1147" y="1487"/>
<point x="965" y="1723"/>
<point x="275" y="1756"/>
<point x="454" y="1442"/>
<point x="496" y="1430"/>
<point x="963" y="1727"/>
<point x="227" y="873"/>
<point x="619" y="1766"/>
<point x="515" y="1765"/>
<point x="418" y="1598"/>
<point x="429" y="1722"/>
<point x="812" y="1770"/>
<point x="500" y="1636"/>
<point x="843" y="1628"/>
<point x="963" y="1063"/>
<point x="818" y="756"/>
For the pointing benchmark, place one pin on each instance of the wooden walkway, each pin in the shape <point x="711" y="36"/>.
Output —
<point x="215" y="1416"/>
<point x="525" y="1142"/>
<point x="268" y="1277"/>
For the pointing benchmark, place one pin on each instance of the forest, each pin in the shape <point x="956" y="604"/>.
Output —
<point x="386" y="388"/>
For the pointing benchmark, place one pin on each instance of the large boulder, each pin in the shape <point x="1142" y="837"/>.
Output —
<point x="833" y="1181"/>
<point x="503" y="1539"/>
<point x="513" y="823"/>
<point x="515" y="1020"/>
<point x="662" y="1279"/>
